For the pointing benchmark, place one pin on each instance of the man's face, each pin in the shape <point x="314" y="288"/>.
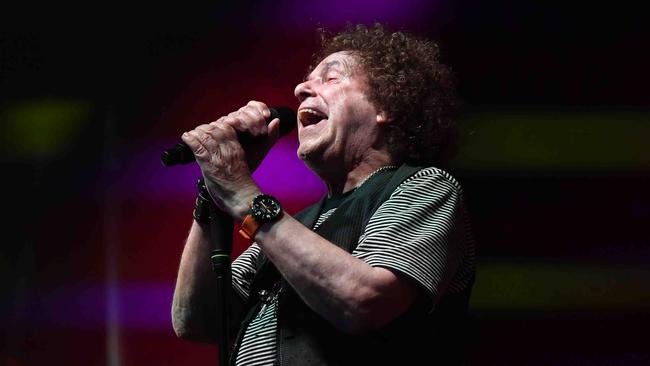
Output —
<point x="335" y="119"/>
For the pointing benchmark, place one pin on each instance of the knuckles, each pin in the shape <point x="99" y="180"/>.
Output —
<point x="214" y="135"/>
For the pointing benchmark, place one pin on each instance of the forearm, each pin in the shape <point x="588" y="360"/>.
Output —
<point x="194" y="295"/>
<point x="352" y="295"/>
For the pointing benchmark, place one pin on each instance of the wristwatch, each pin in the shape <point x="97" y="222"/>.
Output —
<point x="264" y="209"/>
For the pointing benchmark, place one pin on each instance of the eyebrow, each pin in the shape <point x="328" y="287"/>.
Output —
<point x="332" y="63"/>
<point x="346" y="68"/>
<point x="343" y="64"/>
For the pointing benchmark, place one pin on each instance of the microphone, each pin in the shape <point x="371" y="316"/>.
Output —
<point x="182" y="154"/>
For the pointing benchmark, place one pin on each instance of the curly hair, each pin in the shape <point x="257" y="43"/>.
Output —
<point x="408" y="82"/>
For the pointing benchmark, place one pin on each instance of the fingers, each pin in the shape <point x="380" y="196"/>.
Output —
<point x="204" y="140"/>
<point x="274" y="129"/>
<point x="250" y="118"/>
<point x="261" y="107"/>
<point x="195" y="140"/>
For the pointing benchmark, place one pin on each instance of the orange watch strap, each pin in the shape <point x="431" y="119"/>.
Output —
<point x="248" y="227"/>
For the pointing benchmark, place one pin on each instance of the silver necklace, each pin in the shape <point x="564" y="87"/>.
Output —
<point x="385" y="167"/>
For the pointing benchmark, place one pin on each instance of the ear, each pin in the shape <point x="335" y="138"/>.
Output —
<point x="382" y="118"/>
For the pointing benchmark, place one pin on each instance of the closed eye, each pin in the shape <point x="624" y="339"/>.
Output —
<point x="332" y="77"/>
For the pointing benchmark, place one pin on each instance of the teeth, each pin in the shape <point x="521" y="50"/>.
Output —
<point x="310" y="116"/>
<point x="311" y="111"/>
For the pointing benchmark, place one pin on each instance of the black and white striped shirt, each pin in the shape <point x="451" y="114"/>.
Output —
<point x="421" y="232"/>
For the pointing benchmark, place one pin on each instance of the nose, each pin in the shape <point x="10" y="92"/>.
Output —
<point x="304" y="90"/>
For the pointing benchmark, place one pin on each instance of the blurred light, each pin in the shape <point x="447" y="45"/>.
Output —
<point x="281" y="173"/>
<point x="554" y="140"/>
<point x="500" y="286"/>
<point x="510" y="286"/>
<point x="338" y="13"/>
<point x="42" y="128"/>
<point x="141" y="305"/>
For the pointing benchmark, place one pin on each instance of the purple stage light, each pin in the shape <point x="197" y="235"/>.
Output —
<point x="282" y="174"/>
<point x="337" y="13"/>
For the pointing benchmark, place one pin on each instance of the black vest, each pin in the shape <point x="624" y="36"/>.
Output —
<point x="305" y="338"/>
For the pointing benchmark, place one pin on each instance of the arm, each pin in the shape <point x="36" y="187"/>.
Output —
<point x="194" y="299"/>
<point x="194" y="303"/>
<point x="347" y="291"/>
<point x="352" y="295"/>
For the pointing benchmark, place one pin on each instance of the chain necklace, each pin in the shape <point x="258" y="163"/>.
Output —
<point x="385" y="167"/>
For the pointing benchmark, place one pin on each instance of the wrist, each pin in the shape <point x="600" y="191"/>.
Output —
<point x="234" y="202"/>
<point x="203" y="204"/>
<point x="244" y="203"/>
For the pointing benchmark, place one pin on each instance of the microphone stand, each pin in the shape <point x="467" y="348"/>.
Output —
<point x="222" y="247"/>
<point x="221" y="236"/>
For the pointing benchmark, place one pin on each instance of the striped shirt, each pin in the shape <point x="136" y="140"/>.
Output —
<point x="421" y="232"/>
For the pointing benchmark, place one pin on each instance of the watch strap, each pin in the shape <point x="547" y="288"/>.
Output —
<point x="249" y="227"/>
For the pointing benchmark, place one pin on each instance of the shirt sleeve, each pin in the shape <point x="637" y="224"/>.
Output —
<point x="243" y="270"/>
<point x="418" y="232"/>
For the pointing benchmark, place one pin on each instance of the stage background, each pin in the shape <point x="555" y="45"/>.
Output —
<point x="554" y="157"/>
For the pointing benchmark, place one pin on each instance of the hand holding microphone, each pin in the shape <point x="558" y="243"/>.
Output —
<point x="229" y="149"/>
<point x="182" y="154"/>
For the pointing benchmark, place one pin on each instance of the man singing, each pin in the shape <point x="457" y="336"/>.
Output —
<point x="380" y="270"/>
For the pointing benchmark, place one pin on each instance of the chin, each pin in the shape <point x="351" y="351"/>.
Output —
<point x="312" y="150"/>
<point x="306" y="148"/>
<point x="305" y="155"/>
<point x="311" y="157"/>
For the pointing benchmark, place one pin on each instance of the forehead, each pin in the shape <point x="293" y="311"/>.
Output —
<point x="341" y="59"/>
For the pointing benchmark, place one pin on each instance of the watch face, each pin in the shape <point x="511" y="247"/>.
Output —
<point x="265" y="209"/>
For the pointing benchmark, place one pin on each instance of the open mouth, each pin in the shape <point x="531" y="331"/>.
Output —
<point x="308" y="116"/>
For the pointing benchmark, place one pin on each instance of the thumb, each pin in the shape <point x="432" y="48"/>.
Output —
<point x="274" y="130"/>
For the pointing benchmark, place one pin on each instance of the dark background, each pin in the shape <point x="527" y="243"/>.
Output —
<point x="554" y="158"/>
